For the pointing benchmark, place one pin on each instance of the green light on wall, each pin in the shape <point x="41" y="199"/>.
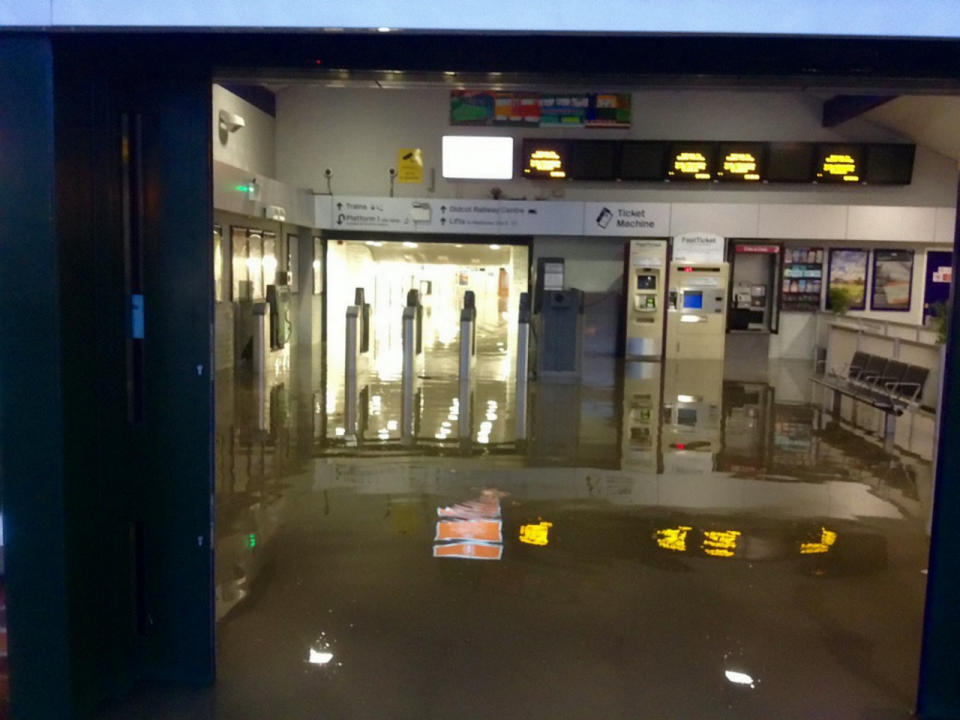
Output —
<point x="242" y="188"/>
<point x="253" y="540"/>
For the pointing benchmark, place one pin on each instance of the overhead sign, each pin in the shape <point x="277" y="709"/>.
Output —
<point x="758" y="249"/>
<point x="691" y="161"/>
<point x="410" y="165"/>
<point x="839" y="163"/>
<point x="452" y="216"/>
<point x="696" y="247"/>
<point x="626" y="219"/>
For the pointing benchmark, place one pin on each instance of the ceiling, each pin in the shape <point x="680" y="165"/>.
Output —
<point x="929" y="120"/>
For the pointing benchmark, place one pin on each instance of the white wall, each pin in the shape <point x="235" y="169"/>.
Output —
<point x="252" y="147"/>
<point x="357" y="132"/>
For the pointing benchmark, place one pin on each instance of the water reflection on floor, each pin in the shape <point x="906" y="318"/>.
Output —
<point x="665" y="545"/>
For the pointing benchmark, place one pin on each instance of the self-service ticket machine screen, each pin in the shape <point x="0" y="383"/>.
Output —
<point x="696" y="311"/>
<point x="646" y="283"/>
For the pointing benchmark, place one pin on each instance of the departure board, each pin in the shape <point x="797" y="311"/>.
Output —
<point x="592" y="160"/>
<point x="889" y="164"/>
<point x="839" y="163"/>
<point x="721" y="161"/>
<point x="545" y="159"/>
<point x="643" y="161"/>
<point x="741" y="162"/>
<point x="691" y="161"/>
<point x="789" y="162"/>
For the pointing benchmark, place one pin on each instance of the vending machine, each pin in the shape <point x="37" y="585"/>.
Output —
<point x="645" y="276"/>
<point x="697" y="299"/>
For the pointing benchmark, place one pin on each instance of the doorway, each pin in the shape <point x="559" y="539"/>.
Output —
<point x="386" y="270"/>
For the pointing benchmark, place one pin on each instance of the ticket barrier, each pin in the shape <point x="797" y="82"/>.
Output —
<point x="468" y="360"/>
<point x="523" y="367"/>
<point x="697" y="311"/>
<point x="356" y="364"/>
<point x="413" y="365"/>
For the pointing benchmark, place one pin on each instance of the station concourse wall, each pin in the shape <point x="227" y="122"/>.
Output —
<point x="356" y="133"/>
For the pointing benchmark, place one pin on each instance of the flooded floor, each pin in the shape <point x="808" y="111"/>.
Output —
<point x="664" y="543"/>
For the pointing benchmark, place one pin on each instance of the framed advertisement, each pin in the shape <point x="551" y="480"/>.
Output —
<point x="848" y="271"/>
<point x="892" y="280"/>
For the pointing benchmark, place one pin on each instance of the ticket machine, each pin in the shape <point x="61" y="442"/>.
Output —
<point x="645" y="293"/>
<point x="692" y="430"/>
<point x="697" y="310"/>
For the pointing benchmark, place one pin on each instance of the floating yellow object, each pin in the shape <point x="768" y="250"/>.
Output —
<point x="535" y="534"/>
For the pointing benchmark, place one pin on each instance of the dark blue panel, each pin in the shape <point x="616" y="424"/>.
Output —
<point x="939" y="692"/>
<point x="841" y="108"/>
<point x="31" y="401"/>
<point x="256" y="95"/>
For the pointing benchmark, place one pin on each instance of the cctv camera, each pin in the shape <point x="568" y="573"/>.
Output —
<point x="231" y="121"/>
<point x="328" y="173"/>
<point x="393" y="172"/>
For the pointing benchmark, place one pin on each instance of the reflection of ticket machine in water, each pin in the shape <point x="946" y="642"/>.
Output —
<point x="646" y="284"/>
<point x="640" y="443"/>
<point x="697" y="311"/>
<point x="692" y="414"/>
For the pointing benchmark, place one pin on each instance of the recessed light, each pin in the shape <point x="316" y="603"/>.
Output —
<point x="383" y="29"/>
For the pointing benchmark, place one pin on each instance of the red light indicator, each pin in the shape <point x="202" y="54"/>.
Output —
<point x="318" y="61"/>
<point x="679" y="446"/>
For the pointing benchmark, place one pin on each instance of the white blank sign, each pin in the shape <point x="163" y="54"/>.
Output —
<point x="467" y="157"/>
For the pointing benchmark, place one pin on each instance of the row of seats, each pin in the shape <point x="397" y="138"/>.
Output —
<point x="884" y="378"/>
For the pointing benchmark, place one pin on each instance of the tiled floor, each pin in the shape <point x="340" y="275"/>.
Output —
<point x="667" y="544"/>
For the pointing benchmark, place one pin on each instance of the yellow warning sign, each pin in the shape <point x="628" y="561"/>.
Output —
<point x="410" y="165"/>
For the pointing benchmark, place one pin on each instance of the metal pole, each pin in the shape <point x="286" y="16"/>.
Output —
<point x="409" y="352"/>
<point x="350" y="373"/>
<point x="468" y="319"/>
<point x="523" y="366"/>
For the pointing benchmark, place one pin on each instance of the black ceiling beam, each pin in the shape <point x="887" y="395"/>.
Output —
<point x="840" y="108"/>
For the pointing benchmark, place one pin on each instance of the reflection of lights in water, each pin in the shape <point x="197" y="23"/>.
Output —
<point x="316" y="264"/>
<point x="340" y="432"/>
<point x="720" y="543"/>
<point x="738" y="678"/>
<point x="491" y="416"/>
<point x="486" y="426"/>
<point x="673" y="538"/>
<point x="376" y="404"/>
<point x="535" y="534"/>
<point x="391" y="424"/>
<point x="319" y="657"/>
<point x="827" y="539"/>
<point x="453" y="416"/>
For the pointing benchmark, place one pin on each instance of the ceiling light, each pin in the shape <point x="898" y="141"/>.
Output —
<point x="494" y="247"/>
<point x="408" y="244"/>
<point x="383" y="29"/>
